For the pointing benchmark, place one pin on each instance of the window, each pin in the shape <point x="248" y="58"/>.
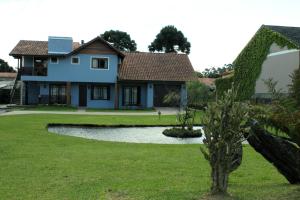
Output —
<point x="58" y="94"/>
<point x="54" y="60"/>
<point x="99" y="63"/>
<point x="75" y="60"/>
<point x="100" y="92"/>
<point x="131" y="96"/>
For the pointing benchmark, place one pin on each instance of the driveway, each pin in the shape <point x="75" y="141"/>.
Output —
<point x="164" y="111"/>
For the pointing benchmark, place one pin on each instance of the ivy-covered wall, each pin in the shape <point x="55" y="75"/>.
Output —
<point x="247" y="66"/>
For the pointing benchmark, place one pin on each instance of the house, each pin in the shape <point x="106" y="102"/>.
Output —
<point x="272" y="53"/>
<point x="7" y="80"/>
<point x="97" y="75"/>
<point x="210" y="82"/>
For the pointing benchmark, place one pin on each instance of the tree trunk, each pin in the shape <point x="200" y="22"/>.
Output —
<point x="219" y="175"/>
<point x="220" y="180"/>
<point x="283" y="154"/>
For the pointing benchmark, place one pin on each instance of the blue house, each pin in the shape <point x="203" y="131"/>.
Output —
<point x="97" y="75"/>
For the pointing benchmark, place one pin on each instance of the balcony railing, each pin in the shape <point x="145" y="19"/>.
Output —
<point x="34" y="71"/>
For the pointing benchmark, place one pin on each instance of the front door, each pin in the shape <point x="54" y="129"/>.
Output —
<point x="82" y="95"/>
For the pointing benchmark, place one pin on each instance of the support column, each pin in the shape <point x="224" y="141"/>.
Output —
<point x="149" y="95"/>
<point x="68" y="92"/>
<point x="183" y="95"/>
<point x="116" y="96"/>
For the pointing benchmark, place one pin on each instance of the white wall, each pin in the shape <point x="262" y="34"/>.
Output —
<point x="278" y="65"/>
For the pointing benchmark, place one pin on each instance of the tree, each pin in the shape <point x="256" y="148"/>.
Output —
<point x="4" y="67"/>
<point x="198" y="93"/>
<point x="294" y="88"/>
<point x="169" y="40"/>
<point x="223" y="126"/>
<point x="217" y="72"/>
<point x="121" y="40"/>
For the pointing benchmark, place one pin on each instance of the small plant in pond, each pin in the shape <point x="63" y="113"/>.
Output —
<point x="186" y="121"/>
<point x="223" y="126"/>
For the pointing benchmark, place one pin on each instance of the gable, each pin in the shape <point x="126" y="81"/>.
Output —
<point x="97" y="47"/>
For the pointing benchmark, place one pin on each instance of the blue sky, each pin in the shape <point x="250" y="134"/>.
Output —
<point x="217" y="29"/>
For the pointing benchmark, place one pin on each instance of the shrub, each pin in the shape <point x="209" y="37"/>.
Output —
<point x="182" y="133"/>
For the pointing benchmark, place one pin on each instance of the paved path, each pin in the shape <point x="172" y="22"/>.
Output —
<point x="164" y="111"/>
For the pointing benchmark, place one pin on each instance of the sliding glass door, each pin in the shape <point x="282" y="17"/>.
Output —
<point x="58" y="94"/>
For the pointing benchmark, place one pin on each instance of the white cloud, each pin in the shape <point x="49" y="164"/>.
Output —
<point x="217" y="29"/>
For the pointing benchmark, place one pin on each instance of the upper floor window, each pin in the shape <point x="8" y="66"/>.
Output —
<point x="54" y="60"/>
<point x="75" y="60"/>
<point x="99" y="63"/>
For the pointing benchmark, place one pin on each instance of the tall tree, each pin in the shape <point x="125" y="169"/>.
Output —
<point x="170" y="39"/>
<point x="121" y="40"/>
<point x="4" y="67"/>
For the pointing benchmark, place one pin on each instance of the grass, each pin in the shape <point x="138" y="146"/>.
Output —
<point x="35" y="164"/>
<point x="46" y="108"/>
<point x="120" y="110"/>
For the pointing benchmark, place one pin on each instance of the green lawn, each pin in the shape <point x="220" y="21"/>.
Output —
<point x="120" y="110"/>
<point x="35" y="164"/>
<point x="45" y="108"/>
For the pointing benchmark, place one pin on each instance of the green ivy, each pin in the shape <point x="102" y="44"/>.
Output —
<point x="223" y="84"/>
<point x="247" y="66"/>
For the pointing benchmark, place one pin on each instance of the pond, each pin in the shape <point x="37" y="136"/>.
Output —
<point x="124" y="134"/>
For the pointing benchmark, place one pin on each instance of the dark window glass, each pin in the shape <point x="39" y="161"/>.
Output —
<point x="100" y="63"/>
<point x="131" y="96"/>
<point x="58" y="94"/>
<point x="75" y="60"/>
<point x="54" y="60"/>
<point x="100" y="92"/>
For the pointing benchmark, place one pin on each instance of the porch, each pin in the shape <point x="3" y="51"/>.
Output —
<point x="121" y="95"/>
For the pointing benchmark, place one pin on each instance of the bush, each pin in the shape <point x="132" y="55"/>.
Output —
<point x="198" y="93"/>
<point x="182" y="133"/>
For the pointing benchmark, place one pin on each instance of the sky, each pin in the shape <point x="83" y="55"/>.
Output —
<point x="217" y="29"/>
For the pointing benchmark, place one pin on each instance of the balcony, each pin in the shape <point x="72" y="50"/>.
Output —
<point x="34" y="71"/>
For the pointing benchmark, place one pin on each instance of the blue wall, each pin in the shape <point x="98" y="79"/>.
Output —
<point x="59" y="45"/>
<point x="33" y="90"/>
<point x="101" y="103"/>
<point x="82" y="72"/>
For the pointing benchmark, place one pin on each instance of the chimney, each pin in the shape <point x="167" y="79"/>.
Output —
<point x="59" y="45"/>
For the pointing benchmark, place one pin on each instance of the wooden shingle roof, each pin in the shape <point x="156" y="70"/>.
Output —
<point x="33" y="48"/>
<point x="144" y="66"/>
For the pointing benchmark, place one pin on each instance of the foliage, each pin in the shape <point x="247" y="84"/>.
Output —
<point x="223" y="84"/>
<point x="199" y="94"/>
<point x="121" y="40"/>
<point x="182" y="133"/>
<point x="249" y="62"/>
<point x="199" y="74"/>
<point x="4" y="67"/>
<point x="282" y="114"/>
<point x="168" y="39"/>
<point x="172" y="98"/>
<point x="223" y="126"/>
<point x="294" y="88"/>
<point x="217" y="72"/>
<point x="187" y="118"/>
